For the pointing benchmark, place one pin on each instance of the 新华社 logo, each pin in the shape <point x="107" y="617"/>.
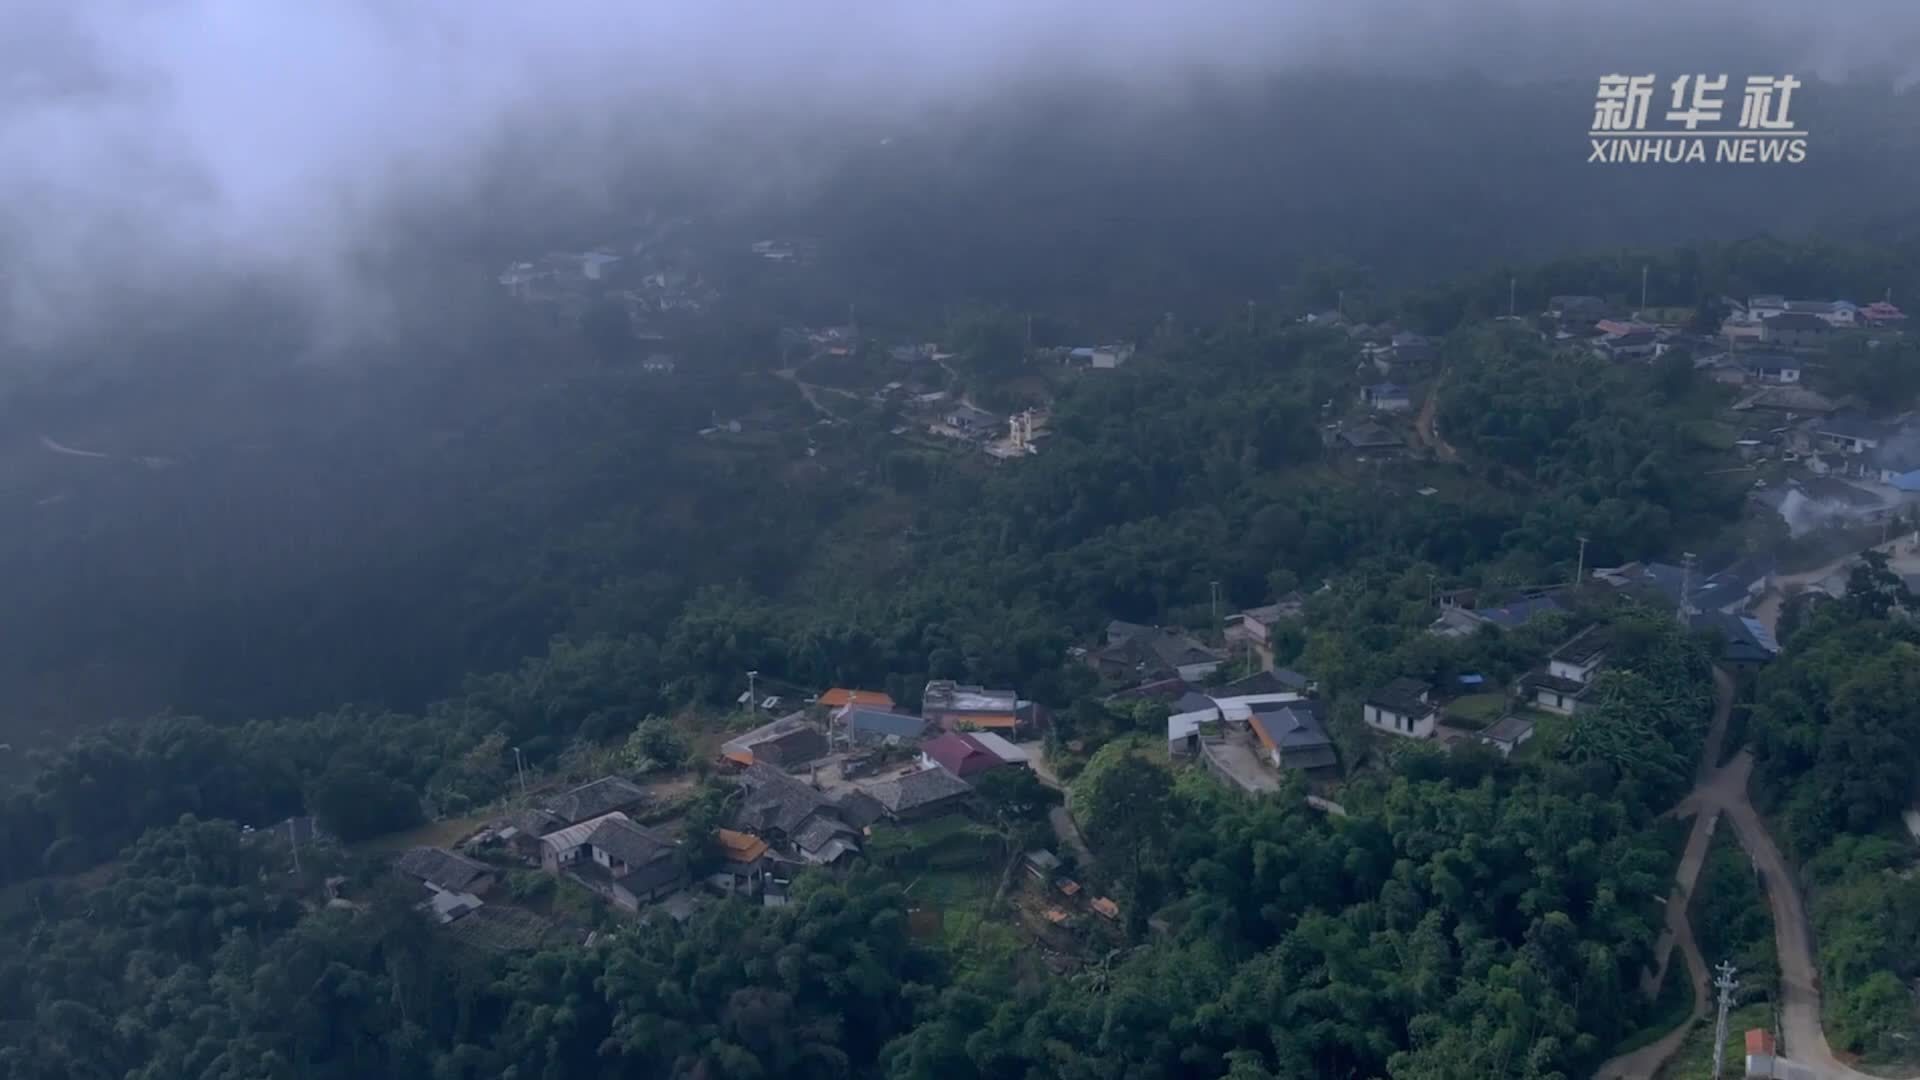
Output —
<point x="1700" y="123"/>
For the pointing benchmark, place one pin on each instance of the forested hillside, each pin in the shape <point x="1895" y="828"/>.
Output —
<point x="1467" y="916"/>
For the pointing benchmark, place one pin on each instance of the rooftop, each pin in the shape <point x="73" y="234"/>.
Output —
<point x="960" y="753"/>
<point x="839" y="696"/>
<point x="599" y="797"/>
<point x="919" y="788"/>
<point x="1509" y="728"/>
<point x="441" y="868"/>
<point x="739" y="847"/>
<point x="1401" y="696"/>
<point x="880" y="723"/>
<point x="949" y="696"/>
<point x="1294" y="726"/>
<point x="1585" y="647"/>
<point x="631" y="843"/>
<point x="775" y="800"/>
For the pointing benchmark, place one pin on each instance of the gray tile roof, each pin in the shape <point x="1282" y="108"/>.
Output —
<point x="775" y="801"/>
<point x="818" y="830"/>
<point x="602" y="796"/>
<point x="442" y="868"/>
<point x="859" y="809"/>
<point x="631" y="843"/>
<point x="917" y="789"/>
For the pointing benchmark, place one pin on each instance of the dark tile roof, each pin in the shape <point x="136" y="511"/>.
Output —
<point x="440" y="867"/>
<point x="602" y="796"/>
<point x="1508" y="728"/>
<point x="648" y="877"/>
<point x="917" y="789"/>
<point x="1194" y="701"/>
<point x="1584" y="647"/>
<point x="1520" y="612"/>
<point x="818" y="830"/>
<point x="1368" y="436"/>
<point x="859" y="809"/>
<point x="793" y="747"/>
<point x="1543" y="679"/>
<point x="1746" y="641"/>
<point x="633" y="844"/>
<point x="1401" y="696"/>
<point x="1797" y="321"/>
<point x="535" y="822"/>
<point x="1850" y="425"/>
<point x="775" y="801"/>
<point x="1292" y="726"/>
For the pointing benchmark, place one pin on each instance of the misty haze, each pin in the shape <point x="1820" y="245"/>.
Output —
<point x="630" y="539"/>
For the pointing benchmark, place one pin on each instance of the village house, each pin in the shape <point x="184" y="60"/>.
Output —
<point x="790" y="742"/>
<point x="443" y="871"/>
<point x="640" y="865"/>
<point x="1795" y="401"/>
<point x="1402" y="707"/>
<point x="791" y="815"/>
<point x="1366" y="440"/>
<point x="1796" y="330"/>
<point x="1292" y="735"/>
<point x="957" y="706"/>
<point x="745" y="862"/>
<point x="840" y="698"/>
<point x="592" y="800"/>
<point x="1632" y="345"/>
<point x="968" y="754"/>
<point x="1508" y="734"/>
<point x="922" y="791"/>
<point x="1099" y="357"/>
<point x="872" y="727"/>
<point x="1386" y="397"/>
<point x="968" y="422"/>
<point x="1881" y="313"/>
<point x="616" y="856"/>
<point x="1459" y="621"/>
<point x="1746" y="643"/>
<point x="1136" y="653"/>
<point x="1569" y="672"/>
<point x="1777" y="369"/>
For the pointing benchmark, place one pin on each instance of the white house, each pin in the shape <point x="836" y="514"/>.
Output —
<point x="1402" y="707"/>
<point x="1570" y="671"/>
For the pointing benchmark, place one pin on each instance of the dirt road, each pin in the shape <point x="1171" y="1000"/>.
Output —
<point x="1903" y="558"/>
<point x="1065" y="829"/>
<point x="1424" y="429"/>
<point x="1722" y="791"/>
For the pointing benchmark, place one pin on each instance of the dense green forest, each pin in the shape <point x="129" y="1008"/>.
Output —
<point x="1468" y="917"/>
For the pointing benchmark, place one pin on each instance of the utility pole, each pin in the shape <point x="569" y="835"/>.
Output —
<point x="520" y="768"/>
<point x="293" y="837"/>
<point x="1643" y="289"/>
<point x="1726" y="983"/>
<point x="752" y="698"/>
<point x="1580" y="574"/>
<point x="1214" y="591"/>
<point x="1510" y="287"/>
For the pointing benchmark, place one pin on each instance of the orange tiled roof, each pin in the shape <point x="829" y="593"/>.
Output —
<point x="839" y="696"/>
<point x="988" y="720"/>
<point x="738" y="846"/>
<point x="1106" y="907"/>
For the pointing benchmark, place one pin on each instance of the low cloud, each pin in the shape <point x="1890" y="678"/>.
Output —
<point x="149" y="144"/>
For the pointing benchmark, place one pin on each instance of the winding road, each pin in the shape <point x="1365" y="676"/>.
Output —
<point x="1721" y="790"/>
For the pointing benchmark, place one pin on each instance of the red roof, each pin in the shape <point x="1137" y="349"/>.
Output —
<point x="1759" y="1041"/>
<point x="960" y="753"/>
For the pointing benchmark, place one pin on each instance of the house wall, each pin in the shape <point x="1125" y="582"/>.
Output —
<point x="553" y="860"/>
<point x="1553" y="701"/>
<point x="1394" y="723"/>
<point x="1196" y="672"/>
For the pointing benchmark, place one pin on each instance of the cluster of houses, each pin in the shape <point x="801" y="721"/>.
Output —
<point x="1799" y="324"/>
<point x="811" y="785"/>
<point x="1849" y="468"/>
